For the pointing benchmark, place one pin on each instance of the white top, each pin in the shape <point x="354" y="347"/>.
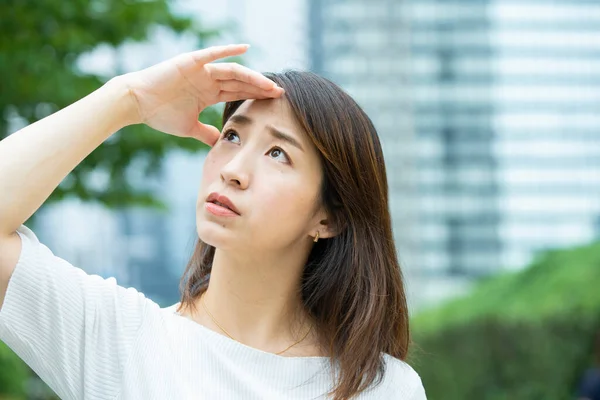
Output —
<point x="89" y="338"/>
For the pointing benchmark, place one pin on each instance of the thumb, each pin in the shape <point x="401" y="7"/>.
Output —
<point x="206" y="133"/>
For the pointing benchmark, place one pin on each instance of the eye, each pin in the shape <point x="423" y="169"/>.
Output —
<point x="276" y="152"/>
<point x="279" y="152"/>
<point x="229" y="134"/>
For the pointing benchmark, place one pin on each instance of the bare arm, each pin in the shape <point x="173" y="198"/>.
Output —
<point x="34" y="160"/>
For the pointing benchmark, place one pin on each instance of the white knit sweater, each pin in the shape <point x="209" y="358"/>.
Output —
<point x="89" y="338"/>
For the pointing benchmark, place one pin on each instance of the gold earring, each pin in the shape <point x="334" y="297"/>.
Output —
<point x="316" y="237"/>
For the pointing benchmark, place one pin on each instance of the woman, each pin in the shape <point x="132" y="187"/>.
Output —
<point x="293" y="291"/>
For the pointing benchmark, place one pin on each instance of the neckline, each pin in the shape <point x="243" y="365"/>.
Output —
<point x="238" y="345"/>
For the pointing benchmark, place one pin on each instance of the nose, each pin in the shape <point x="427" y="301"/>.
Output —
<point x="235" y="172"/>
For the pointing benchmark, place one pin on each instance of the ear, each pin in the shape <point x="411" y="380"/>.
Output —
<point x="324" y="225"/>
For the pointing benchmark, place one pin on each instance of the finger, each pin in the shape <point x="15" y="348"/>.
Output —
<point x="205" y="133"/>
<point x="239" y="86"/>
<point x="234" y="96"/>
<point x="234" y="71"/>
<point x="214" y="53"/>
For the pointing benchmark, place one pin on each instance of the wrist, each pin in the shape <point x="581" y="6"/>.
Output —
<point x="125" y="103"/>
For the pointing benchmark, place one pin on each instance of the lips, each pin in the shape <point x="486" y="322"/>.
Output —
<point x="223" y="201"/>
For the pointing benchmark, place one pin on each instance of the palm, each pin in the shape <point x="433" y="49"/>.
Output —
<point x="171" y="95"/>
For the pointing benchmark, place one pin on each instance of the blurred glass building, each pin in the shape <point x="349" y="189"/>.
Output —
<point x="488" y="111"/>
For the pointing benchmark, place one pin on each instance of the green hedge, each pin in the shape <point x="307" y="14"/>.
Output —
<point x="14" y="374"/>
<point x="519" y="336"/>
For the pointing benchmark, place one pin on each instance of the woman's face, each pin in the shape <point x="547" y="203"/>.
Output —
<point x="269" y="169"/>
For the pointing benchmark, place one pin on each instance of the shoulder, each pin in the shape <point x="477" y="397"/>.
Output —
<point x="170" y="317"/>
<point x="170" y="311"/>
<point x="401" y="378"/>
<point x="399" y="370"/>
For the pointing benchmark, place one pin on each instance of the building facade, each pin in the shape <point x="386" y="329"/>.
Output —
<point x="488" y="114"/>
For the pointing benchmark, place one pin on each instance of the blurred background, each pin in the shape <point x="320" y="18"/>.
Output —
<point x="489" y="116"/>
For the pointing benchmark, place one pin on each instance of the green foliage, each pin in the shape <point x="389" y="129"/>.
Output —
<point x="494" y="359"/>
<point x="13" y="375"/>
<point x="40" y="43"/>
<point x="524" y="335"/>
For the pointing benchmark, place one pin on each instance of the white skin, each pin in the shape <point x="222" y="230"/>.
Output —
<point x="254" y="285"/>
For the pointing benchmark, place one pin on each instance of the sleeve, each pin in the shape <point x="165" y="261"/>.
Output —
<point x="74" y="330"/>
<point x="404" y="383"/>
<point x="419" y="393"/>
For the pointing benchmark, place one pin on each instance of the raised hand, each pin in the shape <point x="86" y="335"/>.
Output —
<point x="170" y="95"/>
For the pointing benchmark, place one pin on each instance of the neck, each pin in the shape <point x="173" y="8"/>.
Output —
<point x="257" y="300"/>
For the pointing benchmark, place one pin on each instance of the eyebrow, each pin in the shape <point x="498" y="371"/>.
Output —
<point x="276" y="133"/>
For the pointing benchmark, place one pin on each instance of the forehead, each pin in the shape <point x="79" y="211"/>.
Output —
<point x="276" y="112"/>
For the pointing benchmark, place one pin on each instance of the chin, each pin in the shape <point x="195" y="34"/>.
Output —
<point x="213" y="234"/>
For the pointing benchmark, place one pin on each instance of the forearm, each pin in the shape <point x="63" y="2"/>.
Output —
<point x="34" y="160"/>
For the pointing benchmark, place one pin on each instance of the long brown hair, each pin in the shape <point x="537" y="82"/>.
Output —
<point x="352" y="283"/>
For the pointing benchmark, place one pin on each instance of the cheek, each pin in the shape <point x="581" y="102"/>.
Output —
<point x="287" y="199"/>
<point x="211" y="167"/>
<point x="210" y="172"/>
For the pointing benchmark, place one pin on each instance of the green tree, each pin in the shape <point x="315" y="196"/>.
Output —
<point x="40" y="45"/>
